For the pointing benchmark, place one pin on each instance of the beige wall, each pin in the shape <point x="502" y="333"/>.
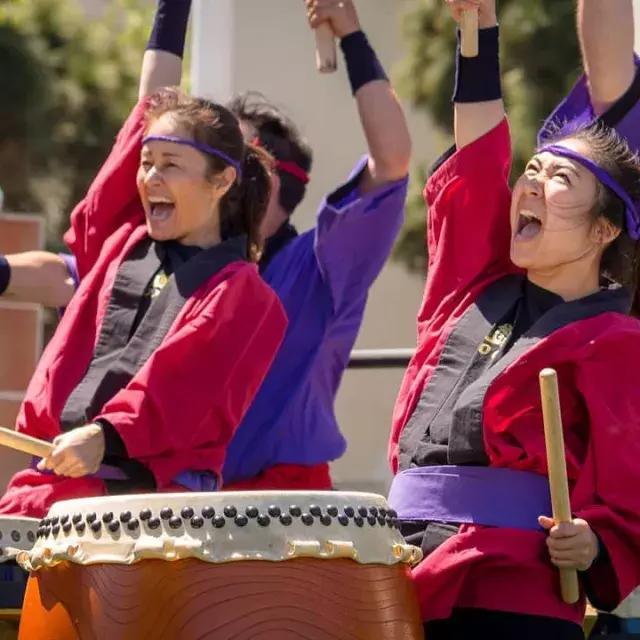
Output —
<point x="273" y="52"/>
<point x="20" y="336"/>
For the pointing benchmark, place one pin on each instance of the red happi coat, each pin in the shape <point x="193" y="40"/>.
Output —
<point x="182" y="407"/>
<point x="597" y="363"/>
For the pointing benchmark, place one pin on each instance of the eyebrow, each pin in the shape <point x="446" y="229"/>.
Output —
<point x="166" y="154"/>
<point x="568" y="166"/>
<point x="558" y="163"/>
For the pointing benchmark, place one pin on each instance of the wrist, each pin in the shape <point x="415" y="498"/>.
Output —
<point x="350" y="30"/>
<point x="599" y="551"/>
<point x="169" y="29"/>
<point x="97" y="438"/>
<point x="478" y="79"/>
<point x="487" y="21"/>
<point x="113" y="443"/>
<point x="362" y="62"/>
<point x="5" y="274"/>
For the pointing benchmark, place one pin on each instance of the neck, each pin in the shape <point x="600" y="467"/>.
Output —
<point x="203" y="238"/>
<point x="273" y="221"/>
<point x="570" y="282"/>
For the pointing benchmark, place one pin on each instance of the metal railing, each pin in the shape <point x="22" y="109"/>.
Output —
<point x="380" y="358"/>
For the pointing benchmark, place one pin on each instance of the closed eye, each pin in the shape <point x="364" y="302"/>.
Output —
<point x="564" y="177"/>
<point x="532" y="167"/>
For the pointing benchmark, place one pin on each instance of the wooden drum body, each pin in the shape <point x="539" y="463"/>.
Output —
<point x="241" y="566"/>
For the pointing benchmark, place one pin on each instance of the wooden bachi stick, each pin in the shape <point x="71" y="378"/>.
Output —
<point x="469" y="47"/>
<point x="24" y="443"/>
<point x="557" y="465"/>
<point x="326" y="53"/>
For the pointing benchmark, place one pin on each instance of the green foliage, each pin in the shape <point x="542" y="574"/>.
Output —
<point x="540" y="62"/>
<point x="68" y="82"/>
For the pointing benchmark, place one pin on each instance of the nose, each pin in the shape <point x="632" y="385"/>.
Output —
<point x="533" y="186"/>
<point x="152" y="177"/>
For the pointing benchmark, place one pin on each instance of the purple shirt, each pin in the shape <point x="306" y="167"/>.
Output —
<point x="322" y="278"/>
<point x="576" y="111"/>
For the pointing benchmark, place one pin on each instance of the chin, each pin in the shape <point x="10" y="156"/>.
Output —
<point x="159" y="234"/>
<point x="520" y="258"/>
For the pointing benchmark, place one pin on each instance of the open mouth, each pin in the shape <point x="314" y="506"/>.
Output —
<point x="529" y="226"/>
<point x="161" y="209"/>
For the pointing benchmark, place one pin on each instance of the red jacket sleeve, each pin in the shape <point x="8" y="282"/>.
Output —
<point x="112" y="199"/>
<point x="468" y="238"/>
<point x="606" y="493"/>
<point x="468" y="230"/>
<point x="196" y="387"/>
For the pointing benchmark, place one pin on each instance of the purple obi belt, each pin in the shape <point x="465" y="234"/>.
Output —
<point x="200" y="481"/>
<point x="489" y="496"/>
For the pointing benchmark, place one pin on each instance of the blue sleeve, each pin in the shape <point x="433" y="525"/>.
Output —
<point x="355" y="234"/>
<point x="576" y="111"/>
<point x="72" y="268"/>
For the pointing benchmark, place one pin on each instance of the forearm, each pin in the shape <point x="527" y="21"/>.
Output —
<point x="40" y="277"/>
<point x="383" y="121"/>
<point x="159" y="69"/>
<point x="162" y="61"/>
<point x="606" y="33"/>
<point x="477" y="98"/>
<point x="386" y="131"/>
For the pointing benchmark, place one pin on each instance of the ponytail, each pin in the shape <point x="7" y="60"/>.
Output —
<point x="244" y="206"/>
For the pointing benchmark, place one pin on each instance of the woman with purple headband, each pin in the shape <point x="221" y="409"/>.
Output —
<point x="544" y="275"/>
<point x="172" y="330"/>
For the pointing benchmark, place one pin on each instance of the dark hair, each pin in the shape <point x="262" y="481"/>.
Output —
<point x="281" y="138"/>
<point x="244" y="205"/>
<point x="621" y="259"/>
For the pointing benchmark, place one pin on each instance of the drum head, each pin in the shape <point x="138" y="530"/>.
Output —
<point x="220" y="528"/>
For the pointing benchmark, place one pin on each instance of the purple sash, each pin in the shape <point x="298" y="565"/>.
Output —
<point x="200" y="481"/>
<point x="105" y="472"/>
<point x="487" y="496"/>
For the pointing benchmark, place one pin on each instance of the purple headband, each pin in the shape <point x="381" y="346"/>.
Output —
<point x="205" y="148"/>
<point x="632" y="216"/>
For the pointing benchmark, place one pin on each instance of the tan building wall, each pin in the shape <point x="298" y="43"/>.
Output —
<point x="20" y="336"/>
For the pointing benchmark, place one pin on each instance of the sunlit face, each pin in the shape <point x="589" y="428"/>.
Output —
<point x="551" y="220"/>
<point x="179" y="201"/>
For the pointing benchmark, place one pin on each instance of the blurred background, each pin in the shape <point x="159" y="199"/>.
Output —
<point x="69" y="72"/>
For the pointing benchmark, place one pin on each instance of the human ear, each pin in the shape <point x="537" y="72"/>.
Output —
<point x="222" y="182"/>
<point x="604" y="231"/>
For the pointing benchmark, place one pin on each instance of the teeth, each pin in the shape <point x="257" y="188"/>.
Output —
<point x="160" y="201"/>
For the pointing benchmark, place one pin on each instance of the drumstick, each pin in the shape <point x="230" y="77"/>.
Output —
<point x="469" y="33"/>
<point x="557" y="465"/>
<point x="326" y="55"/>
<point x="24" y="443"/>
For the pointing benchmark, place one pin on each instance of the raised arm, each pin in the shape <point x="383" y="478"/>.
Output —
<point x="606" y="33"/>
<point x="381" y="115"/>
<point x="477" y="97"/>
<point x="162" y="61"/>
<point x="112" y="199"/>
